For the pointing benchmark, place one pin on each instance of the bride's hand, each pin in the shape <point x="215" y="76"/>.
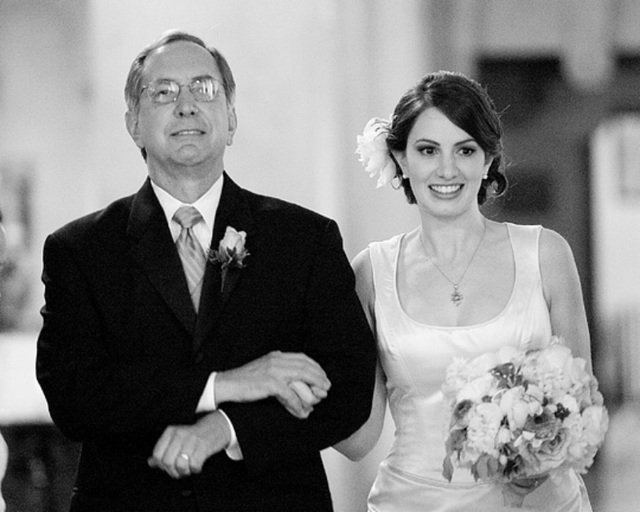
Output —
<point x="515" y="491"/>
<point x="307" y="395"/>
<point x="524" y="486"/>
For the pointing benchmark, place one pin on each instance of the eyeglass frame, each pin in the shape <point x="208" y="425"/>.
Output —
<point x="149" y="87"/>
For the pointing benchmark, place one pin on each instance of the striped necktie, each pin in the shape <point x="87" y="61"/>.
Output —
<point x="190" y="251"/>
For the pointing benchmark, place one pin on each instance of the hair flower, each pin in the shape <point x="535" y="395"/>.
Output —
<point x="231" y="252"/>
<point x="373" y="151"/>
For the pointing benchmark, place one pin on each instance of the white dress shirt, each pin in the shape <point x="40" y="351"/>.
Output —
<point x="207" y="205"/>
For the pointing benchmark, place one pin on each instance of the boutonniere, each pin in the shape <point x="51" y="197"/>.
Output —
<point x="231" y="252"/>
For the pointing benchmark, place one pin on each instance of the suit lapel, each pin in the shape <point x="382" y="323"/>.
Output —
<point x="232" y="211"/>
<point x="155" y="252"/>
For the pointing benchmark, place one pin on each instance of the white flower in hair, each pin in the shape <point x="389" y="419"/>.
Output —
<point x="374" y="153"/>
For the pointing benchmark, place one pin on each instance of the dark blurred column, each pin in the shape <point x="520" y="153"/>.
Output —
<point x="41" y="468"/>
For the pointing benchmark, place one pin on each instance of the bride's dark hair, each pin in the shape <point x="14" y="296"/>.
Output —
<point x="467" y="105"/>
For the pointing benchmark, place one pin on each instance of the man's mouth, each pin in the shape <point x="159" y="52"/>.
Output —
<point x="188" y="132"/>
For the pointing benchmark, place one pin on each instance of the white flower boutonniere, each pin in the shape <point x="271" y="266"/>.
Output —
<point x="373" y="151"/>
<point x="231" y="252"/>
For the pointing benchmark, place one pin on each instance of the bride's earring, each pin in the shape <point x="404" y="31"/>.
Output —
<point x="396" y="182"/>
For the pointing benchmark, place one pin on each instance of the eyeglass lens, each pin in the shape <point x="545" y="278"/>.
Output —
<point x="167" y="91"/>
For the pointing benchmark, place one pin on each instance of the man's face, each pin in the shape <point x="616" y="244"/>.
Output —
<point x="185" y="136"/>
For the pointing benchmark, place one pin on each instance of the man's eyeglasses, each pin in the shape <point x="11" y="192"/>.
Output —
<point x="164" y="91"/>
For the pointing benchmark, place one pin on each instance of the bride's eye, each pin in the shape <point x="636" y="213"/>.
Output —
<point x="427" y="150"/>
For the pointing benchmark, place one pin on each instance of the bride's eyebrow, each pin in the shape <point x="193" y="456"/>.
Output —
<point x="466" y="141"/>
<point x="459" y="143"/>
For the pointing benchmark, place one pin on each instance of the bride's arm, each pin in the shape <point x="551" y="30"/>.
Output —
<point x="364" y="439"/>
<point x="563" y="293"/>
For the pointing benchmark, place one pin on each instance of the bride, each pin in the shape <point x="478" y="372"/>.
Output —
<point x="457" y="285"/>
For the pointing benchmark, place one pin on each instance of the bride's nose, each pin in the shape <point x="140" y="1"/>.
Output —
<point x="447" y="169"/>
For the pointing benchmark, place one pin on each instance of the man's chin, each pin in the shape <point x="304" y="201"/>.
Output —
<point x="191" y="156"/>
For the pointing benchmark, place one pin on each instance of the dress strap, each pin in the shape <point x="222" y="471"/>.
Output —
<point x="525" y="245"/>
<point x="384" y="264"/>
<point x="528" y="300"/>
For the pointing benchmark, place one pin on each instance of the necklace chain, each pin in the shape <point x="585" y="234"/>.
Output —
<point x="456" y="296"/>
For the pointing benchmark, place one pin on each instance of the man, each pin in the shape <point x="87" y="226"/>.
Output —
<point x="200" y="393"/>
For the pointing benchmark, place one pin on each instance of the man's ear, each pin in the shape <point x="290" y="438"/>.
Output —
<point x="232" y="119"/>
<point x="131" y="121"/>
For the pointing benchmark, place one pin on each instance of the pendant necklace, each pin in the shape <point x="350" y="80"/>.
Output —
<point x="456" y="296"/>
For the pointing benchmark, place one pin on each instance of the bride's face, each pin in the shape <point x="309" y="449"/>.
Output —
<point x="444" y="164"/>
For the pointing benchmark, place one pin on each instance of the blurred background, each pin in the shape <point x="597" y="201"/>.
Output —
<point x="310" y="73"/>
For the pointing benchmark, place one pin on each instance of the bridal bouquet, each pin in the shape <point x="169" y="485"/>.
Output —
<point x="517" y="414"/>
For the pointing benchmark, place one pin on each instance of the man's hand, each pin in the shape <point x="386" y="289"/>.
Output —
<point x="297" y="381"/>
<point x="182" y="450"/>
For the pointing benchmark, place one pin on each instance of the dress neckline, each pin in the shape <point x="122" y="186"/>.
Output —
<point x="504" y="310"/>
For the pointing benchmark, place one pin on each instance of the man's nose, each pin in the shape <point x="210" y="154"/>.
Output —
<point x="186" y="104"/>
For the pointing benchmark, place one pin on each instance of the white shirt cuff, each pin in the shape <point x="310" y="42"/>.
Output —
<point x="234" y="452"/>
<point x="207" y="403"/>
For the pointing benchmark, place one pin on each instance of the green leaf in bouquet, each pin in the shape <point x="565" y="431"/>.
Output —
<point x="447" y="468"/>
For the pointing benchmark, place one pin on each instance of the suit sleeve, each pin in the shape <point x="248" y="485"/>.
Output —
<point x="91" y="391"/>
<point x="336" y="335"/>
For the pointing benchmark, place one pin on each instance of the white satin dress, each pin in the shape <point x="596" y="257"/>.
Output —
<point x="415" y="356"/>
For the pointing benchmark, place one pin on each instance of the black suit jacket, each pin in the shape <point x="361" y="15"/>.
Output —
<point x="122" y="354"/>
